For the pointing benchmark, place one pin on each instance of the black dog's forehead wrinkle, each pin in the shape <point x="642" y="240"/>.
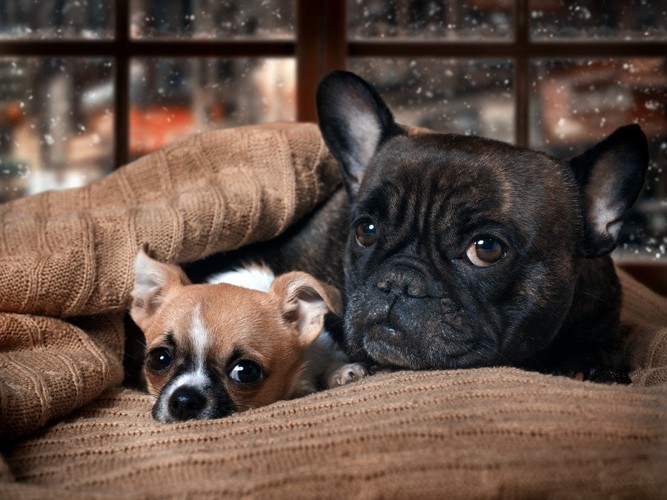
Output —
<point x="454" y="156"/>
<point x="380" y="199"/>
<point x="448" y="149"/>
<point x="427" y="207"/>
<point x="468" y="182"/>
<point x="427" y="169"/>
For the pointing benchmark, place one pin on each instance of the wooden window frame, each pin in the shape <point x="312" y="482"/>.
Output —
<point x="321" y="45"/>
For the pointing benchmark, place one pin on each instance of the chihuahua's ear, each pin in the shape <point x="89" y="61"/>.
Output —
<point x="152" y="280"/>
<point x="305" y="301"/>
<point x="354" y="121"/>
<point x="610" y="176"/>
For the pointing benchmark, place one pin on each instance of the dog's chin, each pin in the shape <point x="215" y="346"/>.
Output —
<point x="382" y="344"/>
<point x="378" y="347"/>
<point x="411" y="333"/>
<point x="388" y="345"/>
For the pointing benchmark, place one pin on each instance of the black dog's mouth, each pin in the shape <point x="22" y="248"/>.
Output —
<point x="414" y="334"/>
<point x="386" y="345"/>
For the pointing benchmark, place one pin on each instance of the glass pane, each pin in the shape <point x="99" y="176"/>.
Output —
<point x="56" y="123"/>
<point x="450" y="95"/>
<point x="576" y="103"/>
<point x="598" y="19"/>
<point x="273" y="19"/>
<point x="428" y="19"/>
<point x="171" y="98"/>
<point x="46" y="19"/>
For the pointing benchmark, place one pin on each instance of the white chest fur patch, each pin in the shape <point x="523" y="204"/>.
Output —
<point x="253" y="276"/>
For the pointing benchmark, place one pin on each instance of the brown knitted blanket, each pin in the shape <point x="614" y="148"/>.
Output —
<point x="68" y="430"/>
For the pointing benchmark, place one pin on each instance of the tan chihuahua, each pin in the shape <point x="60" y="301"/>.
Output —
<point x="217" y="348"/>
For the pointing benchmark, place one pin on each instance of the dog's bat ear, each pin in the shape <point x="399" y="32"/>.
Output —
<point x="610" y="176"/>
<point x="305" y="301"/>
<point x="152" y="280"/>
<point x="354" y="121"/>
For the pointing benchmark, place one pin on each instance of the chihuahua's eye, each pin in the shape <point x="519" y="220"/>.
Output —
<point x="158" y="359"/>
<point x="485" y="251"/>
<point x="365" y="232"/>
<point x="246" y="372"/>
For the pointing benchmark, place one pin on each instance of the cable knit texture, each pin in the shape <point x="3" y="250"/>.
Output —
<point x="69" y="431"/>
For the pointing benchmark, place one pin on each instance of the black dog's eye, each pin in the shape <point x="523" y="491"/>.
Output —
<point x="246" y="371"/>
<point x="158" y="359"/>
<point x="485" y="251"/>
<point x="365" y="232"/>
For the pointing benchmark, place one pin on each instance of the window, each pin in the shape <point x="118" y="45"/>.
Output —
<point x="88" y="85"/>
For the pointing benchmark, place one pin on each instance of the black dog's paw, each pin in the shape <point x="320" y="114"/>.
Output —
<point x="600" y="374"/>
<point x="607" y="375"/>
<point x="601" y="363"/>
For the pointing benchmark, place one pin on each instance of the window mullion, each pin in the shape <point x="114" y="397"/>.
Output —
<point x="321" y="46"/>
<point x="522" y="73"/>
<point x="122" y="83"/>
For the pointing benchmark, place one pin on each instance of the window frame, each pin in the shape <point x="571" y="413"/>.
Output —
<point x="321" y="45"/>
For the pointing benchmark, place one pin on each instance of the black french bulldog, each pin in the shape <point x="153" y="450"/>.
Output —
<point x="462" y="252"/>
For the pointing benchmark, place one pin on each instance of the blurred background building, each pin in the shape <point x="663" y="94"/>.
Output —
<point x="88" y="84"/>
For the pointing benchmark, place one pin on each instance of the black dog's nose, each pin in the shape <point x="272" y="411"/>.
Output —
<point x="405" y="281"/>
<point x="411" y="289"/>
<point x="186" y="403"/>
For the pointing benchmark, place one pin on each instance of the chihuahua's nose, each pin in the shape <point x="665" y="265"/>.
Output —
<point x="186" y="403"/>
